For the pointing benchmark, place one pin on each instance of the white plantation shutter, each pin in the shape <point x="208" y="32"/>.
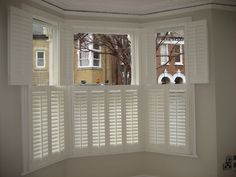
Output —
<point x="47" y="125"/>
<point x="131" y="114"/>
<point x="57" y="120"/>
<point x="157" y="122"/>
<point x="80" y="122"/>
<point x="168" y="119"/>
<point x="178" y="121"/>
<point x="98" y="118"/>
<point x="19" y="47"/>
<point x="40" y="127"/>
<point x="115" y="117"/>
<point x="66" y="55"/>
<point x="105" y="119"/>
<point x="196" y="40"/>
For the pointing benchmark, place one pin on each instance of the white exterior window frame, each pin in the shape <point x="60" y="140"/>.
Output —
<point x="37" y="59"/>
<point x="180" y="56"/>
<point x="90" y="59"/>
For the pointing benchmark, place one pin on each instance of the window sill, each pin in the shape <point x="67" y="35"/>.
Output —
<point x="89" y="68"/>
<point x="179" y="64"/>
<point x="194" y="155"/>
<point x="41" y="69"/>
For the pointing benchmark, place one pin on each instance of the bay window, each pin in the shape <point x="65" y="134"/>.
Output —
<point x="63" y="119"/>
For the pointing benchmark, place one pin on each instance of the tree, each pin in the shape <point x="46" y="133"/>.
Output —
<point x="173" y="52"/>
<point x="117" y="45"/>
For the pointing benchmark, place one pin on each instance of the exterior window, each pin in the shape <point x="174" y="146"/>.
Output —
<point x="170" y="57"/>
<point x="179" y="55"/>
<point x="83" y="59"/>
<point x="44" y="58"/>
<point x="102" y="59"/>
<point x="40" y="59"/>
<point x="89" y="58"/>
<point x="164" y="54"/>
<point x="96" y="59"/>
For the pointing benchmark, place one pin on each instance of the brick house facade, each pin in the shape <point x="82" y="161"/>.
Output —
<point x="170" y="63"/>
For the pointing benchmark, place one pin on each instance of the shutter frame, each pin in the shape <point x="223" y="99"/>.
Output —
<point x="66" y="55"/>
<point x="20" y="46"/>
<point x="197" y="51"/>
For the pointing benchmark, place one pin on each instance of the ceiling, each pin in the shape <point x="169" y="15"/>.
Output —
<point x="135" y="7"/>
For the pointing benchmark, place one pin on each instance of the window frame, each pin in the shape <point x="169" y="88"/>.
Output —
<point x="137" y="50"/>
<point x="180" y="56"/>
<point x="90" y="59"/>
<point x="53" y="50"/>
<point x="151" y="30"/>
<point x="134" y="33"/>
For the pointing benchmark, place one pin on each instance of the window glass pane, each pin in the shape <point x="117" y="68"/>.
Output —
<point x="170" y="64"/>
<point x="177" y="53"/>
<point x="42" y="52"/>
<point x="40" y="62"/>
<point x="102" y="57"/>
<point x="96" y="55"/>
<point x="96" y="46"/>
<point x="96" y="62"/>
<point x="84" y="62"/>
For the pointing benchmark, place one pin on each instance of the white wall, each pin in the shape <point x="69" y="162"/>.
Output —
<point x="10" y="112"/>
<point x="224" y="25"/>
<point x="222" y="31"/>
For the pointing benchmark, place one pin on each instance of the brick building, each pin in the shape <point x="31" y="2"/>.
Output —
<point x="170" y="65"/>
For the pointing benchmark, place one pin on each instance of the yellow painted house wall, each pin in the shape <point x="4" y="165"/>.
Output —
<point x="40" y="76"/>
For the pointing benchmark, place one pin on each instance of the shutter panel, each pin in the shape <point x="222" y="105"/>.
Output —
<point x="156" y="111"/>
<point x="40" y="125"/>
<point x="115" y="117"/>
<point x="57" y="120"/>
<point x="98" y="118"/>
<point x="178" y="120"/>
<point x="66" y="56"/>
<point x="168" y="119"/>
<point x="197" y="52"/>
<point x="131" y="113"/>
<point x="19" y="47"/>
<point x="80" y="112"/>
